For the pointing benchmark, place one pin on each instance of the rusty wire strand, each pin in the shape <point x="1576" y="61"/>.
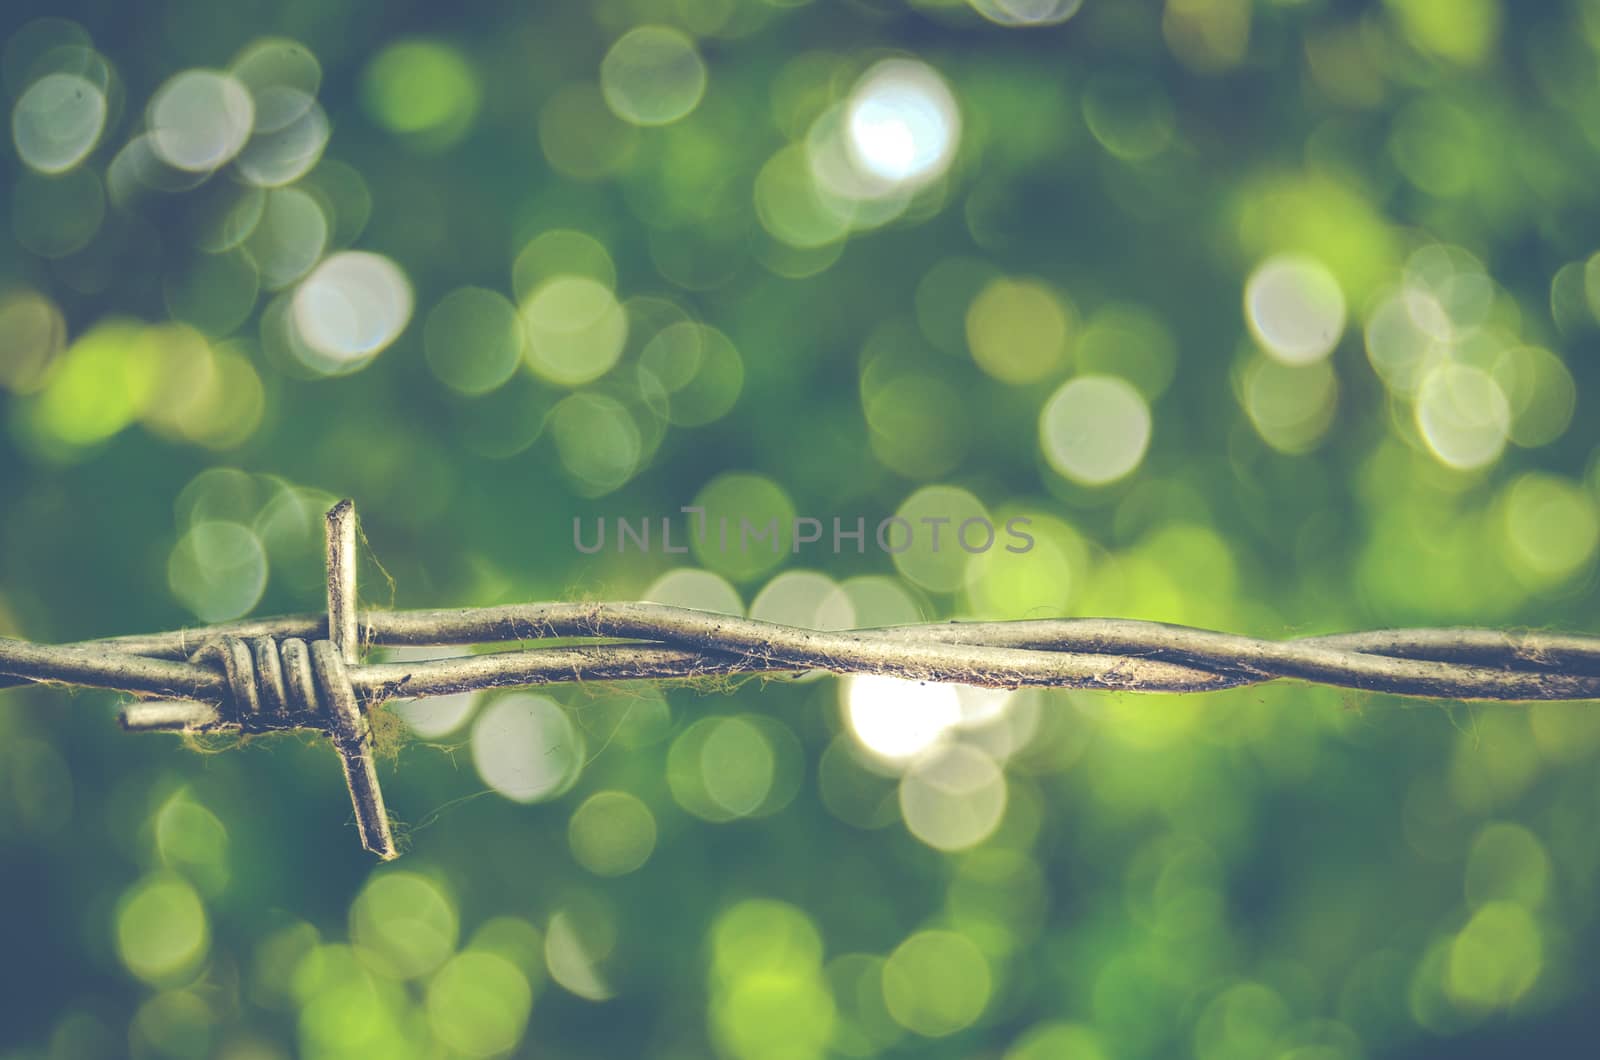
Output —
<point x="657" y="642"/>
<point x="219" y="676"/>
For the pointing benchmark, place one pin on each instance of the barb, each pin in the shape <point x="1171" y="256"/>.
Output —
<point x="331" y="660"/>
<point x="259" y="675"/>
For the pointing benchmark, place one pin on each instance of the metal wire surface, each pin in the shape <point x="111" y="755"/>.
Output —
<point x="289" y="673"/>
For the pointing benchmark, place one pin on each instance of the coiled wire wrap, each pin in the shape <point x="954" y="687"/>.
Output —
<point x="276" y="684"/>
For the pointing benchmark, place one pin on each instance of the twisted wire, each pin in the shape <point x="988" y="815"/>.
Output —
<point x="305" y="671"/>
<point x="652" y="641"/>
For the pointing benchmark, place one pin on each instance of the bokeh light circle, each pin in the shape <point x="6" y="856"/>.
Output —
<point x="1497" y="957"/>
<point x="37" y="47"/>
<point x="1552" y="527"/>
<point x="698" y="367"/>
<point x="577" y="943"/>
<point x="161" y="929"/>
<point x="745" y="526"/>
<point x="32" y="332"/>
<point x="561" y="252"/>
<point x="473" y="340"/>
<point x="1026" y="12"/>
<point x="1507" y="862"/>
<point x="218" y="570"/>
<point x="804" y="598"/>
<point x="57" y="122"/>
<point x="903" y="123"/>
<point x="701" y="590"/>
<point x="612" y="833"/>
<point x="936" y="983"/>
<point x="727" y="768"/>
<point x="953" y="798"/>
<point x="738" y="765"/>
<point x="403" y="924"/>
<point x="435" y="716"/>
<point x="1291" y="405"/>
<point x="1402" y="339"/>
<point x="879" y="600"/>
<point x="1131" y="115"/>
<point x="424" y="91"/>
<point x="598" y="441"/>
<point x="1463" y="416"/>
<point x="896" y="719"/>
<point x="478" y="1004"/>
<point x="576" y="330"/>
<point x="289" y="238"/>
<point x="283" y="77"/>
<point x="1017" y="330"/>
<point x="351" y="306"/>
<point x="282" y="156"/>
<point x="1095" y="429"/>
<point x="1295" y="309"/>
<point x="940" y="530"/>
<point x="795" y="209"/>
<point x="200" y="119"/>
<point x="526" y="748"/>
<point x="652" y="75"/>
<point x="1541" y="392"/>
<point x="762" y="935"/>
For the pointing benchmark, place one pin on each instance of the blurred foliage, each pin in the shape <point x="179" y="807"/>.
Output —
<point x="1276" y="316"/>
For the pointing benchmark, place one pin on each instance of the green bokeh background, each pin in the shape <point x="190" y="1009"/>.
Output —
<point x="1279" y="871"/>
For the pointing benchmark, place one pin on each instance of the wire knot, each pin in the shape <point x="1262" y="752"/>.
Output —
<point x="286" y="683"/>
<point x="271" y="684"/>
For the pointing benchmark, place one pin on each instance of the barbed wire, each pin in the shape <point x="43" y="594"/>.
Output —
<point x="305" y="671"/>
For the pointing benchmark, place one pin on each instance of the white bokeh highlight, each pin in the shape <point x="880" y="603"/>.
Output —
<point x="350" y="307"/>
<point x="953" y="799"/>
<point x="1295" y="309"/>
<point x="896" y="719"/>
<point x="57" y="122"/>
<point x="1463" y="416"/>
<point x="200" y="119"/>
<point x="902" y="124"/>
<point x="526" y="748"/>
<point x="1095" y="429"/>
<point x="280" y="155"/>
